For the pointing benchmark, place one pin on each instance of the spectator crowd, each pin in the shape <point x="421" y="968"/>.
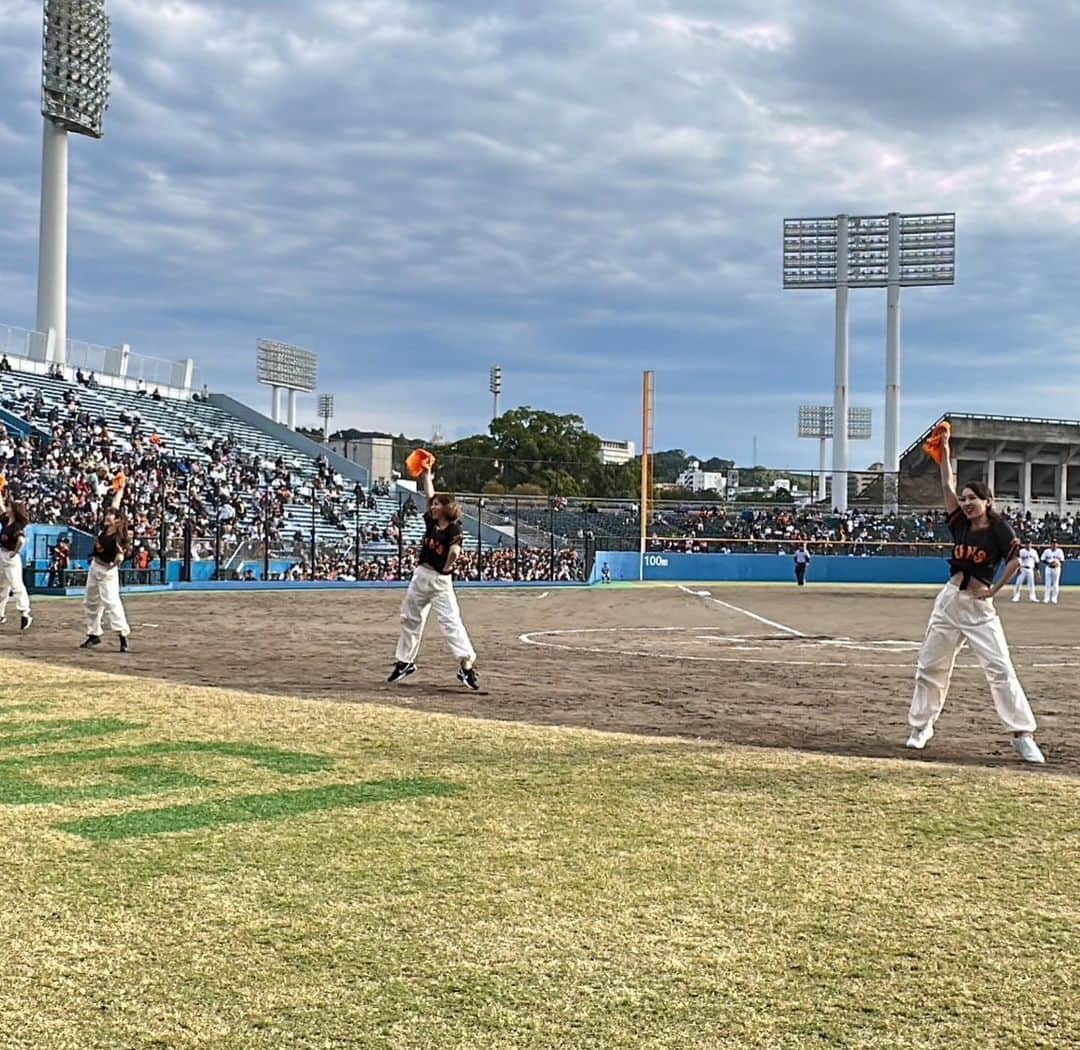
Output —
<point x="213" y="497"/>
<point x="718" y="529"/>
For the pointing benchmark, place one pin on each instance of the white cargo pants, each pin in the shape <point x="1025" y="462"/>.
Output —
<point x="958" y="617"/>
<point x="102" y="601"/>
<point x="11" y="582"/>
<point x="429" y="590"/>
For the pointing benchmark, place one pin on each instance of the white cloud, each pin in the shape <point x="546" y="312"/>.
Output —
<point x="578" y="189"/>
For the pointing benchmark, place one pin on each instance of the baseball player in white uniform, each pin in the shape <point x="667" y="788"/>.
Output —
<point x="1052" y="558"/>
<point x="1029" y="561"/>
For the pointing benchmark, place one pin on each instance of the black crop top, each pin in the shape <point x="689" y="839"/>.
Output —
<point x="437" y="543"/>
<point x="977" y="553"/>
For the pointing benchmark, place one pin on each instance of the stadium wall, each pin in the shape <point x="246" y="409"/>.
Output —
<point x="779" y="568"/>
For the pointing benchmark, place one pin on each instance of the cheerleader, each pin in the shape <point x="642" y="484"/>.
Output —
<point x="13" y="522"/>
<point x="102" y="599"/>
<point x="964" y="612"/>
<point x="432" y="586"/>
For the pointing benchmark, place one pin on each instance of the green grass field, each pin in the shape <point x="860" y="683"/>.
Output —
<point x="187" y="867"/>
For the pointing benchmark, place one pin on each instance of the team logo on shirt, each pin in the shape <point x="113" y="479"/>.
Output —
<point x="965" y="552"/>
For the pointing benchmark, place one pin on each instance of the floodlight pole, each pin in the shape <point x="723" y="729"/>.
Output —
<point x="892" y="370"/>
<point x="821" y="468"/>
<point x="53" y="238"/>
<point x="292" y="409"/>
<point x="495" y="386"/>
<point x="840" y="392"/>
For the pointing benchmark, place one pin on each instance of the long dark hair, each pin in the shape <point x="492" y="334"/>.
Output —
<point x="121" y="526"/>
<point x="982" y="490"/>
<point x="20" y="516"/>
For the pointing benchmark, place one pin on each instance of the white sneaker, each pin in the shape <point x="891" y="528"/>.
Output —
<point x="1028" y="750"/>
<point x="919" y="738"/>
<point x="1016" y="599"/>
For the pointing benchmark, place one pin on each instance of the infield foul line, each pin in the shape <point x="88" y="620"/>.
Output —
<point x="746" y="612"/>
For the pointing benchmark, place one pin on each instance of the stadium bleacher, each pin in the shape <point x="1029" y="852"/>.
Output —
<point x="187" y="459"/>
<point x="237" y="488"/>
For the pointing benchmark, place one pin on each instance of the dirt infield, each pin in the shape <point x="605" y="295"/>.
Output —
<point x="821" y="669"/>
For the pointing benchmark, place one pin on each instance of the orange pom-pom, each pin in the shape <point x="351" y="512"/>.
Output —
<point x="3" y="483"/>
<point x="418" y="461"/>
<point x="932" y="446"/>
<point x="118" y="482"/>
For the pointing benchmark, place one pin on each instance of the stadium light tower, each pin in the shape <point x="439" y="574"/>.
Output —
<point x="284" y="367"/>
<point x="495" y="386"/>
<point x="326" y="412"/>
<point x="869" y="251"/>
<point x="816" y="421"/>
<point x="74" y="97"/>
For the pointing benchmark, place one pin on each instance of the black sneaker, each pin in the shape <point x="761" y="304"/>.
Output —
<point x="467" y="676"/>
<point x="124" y="647"/>
<point x="3" y="619"/>
<point x="24" y="624"/>
<point x="92" y="641"/>
<point x="401" y="671"/>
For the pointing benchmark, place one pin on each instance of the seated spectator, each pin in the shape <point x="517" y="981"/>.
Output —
<point x="5" y="364"/>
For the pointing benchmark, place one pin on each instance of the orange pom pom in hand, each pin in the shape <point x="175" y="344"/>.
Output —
<point x="3" y="483"/>
<point x="418" y="461"/>
<point x="932" y="446"/>
<point x="118" y="482"/>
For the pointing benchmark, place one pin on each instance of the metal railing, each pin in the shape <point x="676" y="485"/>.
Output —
<point x="102" y="360"/>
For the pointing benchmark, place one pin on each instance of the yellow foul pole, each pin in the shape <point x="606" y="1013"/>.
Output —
<point x="646" y="462"/>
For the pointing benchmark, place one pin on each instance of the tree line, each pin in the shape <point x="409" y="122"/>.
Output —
<point x="531" y="452"/>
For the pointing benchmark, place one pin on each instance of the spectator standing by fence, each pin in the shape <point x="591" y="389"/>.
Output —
<point x="59" y="559"/>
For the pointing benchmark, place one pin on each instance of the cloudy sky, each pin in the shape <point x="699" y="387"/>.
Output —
<point x="574" y="189"/>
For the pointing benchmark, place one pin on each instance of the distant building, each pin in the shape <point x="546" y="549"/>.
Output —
<point x="368" y="448"/>
<point x="698" y="480"/>
<point x="616" y="451"/>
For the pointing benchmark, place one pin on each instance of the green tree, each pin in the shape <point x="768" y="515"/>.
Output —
<point x="667" y="466"/>
<point x="468" y="465"/>
<point x="544" y="448"/>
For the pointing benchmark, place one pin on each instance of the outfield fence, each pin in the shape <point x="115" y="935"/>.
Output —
<point x="518" y="538"/>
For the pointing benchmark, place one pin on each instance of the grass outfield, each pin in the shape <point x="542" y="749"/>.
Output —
<point x="187" y="867"/>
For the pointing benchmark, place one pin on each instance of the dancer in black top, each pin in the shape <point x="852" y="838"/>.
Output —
<point x="432" y="586"/>
<point x="102" y="601"/>
<point x="964" y="611"/>
<point x="13" y="522"/>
